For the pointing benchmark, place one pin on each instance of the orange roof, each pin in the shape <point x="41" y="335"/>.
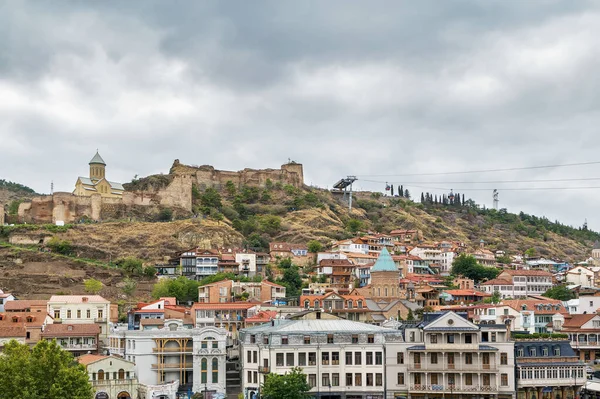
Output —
<point x="13" y="331"/>
<point x="527" y="273"/>
<point x="531" y="304"/>
<point x="466" y="293"/>
<point x="267" y="282"/>
<point x="24" y="304"/>
<point x="88" y="359"/>
<point x="577" y="320"/>
<point x="15" y="318"/>
<point x="262" y="316"/>
<point x="76" y="330"/>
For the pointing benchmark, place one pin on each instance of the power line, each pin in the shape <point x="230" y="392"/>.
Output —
<point x="488" y="170"/>
<point x="486" y="182"/>
<point x="510" y="189"/>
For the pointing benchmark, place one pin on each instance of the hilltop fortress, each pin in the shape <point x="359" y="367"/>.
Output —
<point x="147" y="194"/>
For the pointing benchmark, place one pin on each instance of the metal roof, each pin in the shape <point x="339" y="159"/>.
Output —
<point x="317" y="326"/>
<point x="487" y="348"/>
<point x="97" y="160"/>
<point x="384" y="263"/>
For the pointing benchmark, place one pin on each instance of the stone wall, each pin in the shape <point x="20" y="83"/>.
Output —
<point x="1" y="214"/>
<point x="207" y="176"/>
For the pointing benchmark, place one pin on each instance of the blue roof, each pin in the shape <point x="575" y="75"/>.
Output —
<point x="384" y="263"/>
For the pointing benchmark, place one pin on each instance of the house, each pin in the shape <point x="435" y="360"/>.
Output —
<point x="430" y="362"/>
<point x="350" y="307"/>
<point x="77" y="339"/>
<point x="27" y="305"/>
<point x="229" y="316"/>
<point x="352" y="245"/>
<point x="84" y="309"/>
<point x="161" y="309"/>
<point x="581" y="275"/>
<point x="408" y="237"/>
<point x="5" y="297"/>
<point x="465" y="296"/>
<point x="231" y="291"/>
<point x="464" y="283"/>
<point x="535" y="315"/>
<point x="526" y="282"/>
<point x="34" y="323"/>
<point x="484" y="256"/>
<point x="504" y="287"/>
<point x="583" y="305"/>
<point x="298" y="253"/>
<point x="9" y="333"/>
<point x="340" y="272"/>
<point x="112" y="376"/>
<point x="584" y="334"/>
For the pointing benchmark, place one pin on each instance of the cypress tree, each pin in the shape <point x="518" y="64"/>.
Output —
<point x="401" y="191"/>
<point x="422" y="198"/>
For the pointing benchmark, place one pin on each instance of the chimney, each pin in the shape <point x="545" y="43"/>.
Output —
<point x="84" y="299"/>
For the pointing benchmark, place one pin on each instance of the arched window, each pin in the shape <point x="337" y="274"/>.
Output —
<point x="121" y="374"/>
<point x="215" y="370"/>
<point x="100" y="375"/>
<point x="316" y="303"/>
<point x="204" y="370"/>
<point x="306" y="304"/>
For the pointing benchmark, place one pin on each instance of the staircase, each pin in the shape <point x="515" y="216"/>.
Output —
<point x="233" y="379"/>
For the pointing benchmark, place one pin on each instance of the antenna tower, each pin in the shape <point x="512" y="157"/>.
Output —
<point x="52" y="187"/>
<point x="495" y="195"/>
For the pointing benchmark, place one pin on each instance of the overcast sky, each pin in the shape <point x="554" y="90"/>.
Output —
<point x="344" y="87"/>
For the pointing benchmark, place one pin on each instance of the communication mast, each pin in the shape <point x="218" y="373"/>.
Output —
<point x="495" y="195"/>
<point x="52" y="187"/>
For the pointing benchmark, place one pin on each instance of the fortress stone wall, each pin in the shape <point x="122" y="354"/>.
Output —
<point x="1" y="214"/>
<point x="71" y="208"/>
<point x="207" y="176"/>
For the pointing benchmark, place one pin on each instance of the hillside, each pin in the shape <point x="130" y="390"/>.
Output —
<point x="10" y="191"/>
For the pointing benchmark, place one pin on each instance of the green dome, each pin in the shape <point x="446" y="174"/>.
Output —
<point x="384" y="263"/>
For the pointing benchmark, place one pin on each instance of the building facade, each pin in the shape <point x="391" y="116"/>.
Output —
<point x="111" y="377"/>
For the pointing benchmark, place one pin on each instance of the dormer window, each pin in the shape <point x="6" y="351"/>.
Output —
<point x="70" y="328"/>
<point x="29" y="319"/>
<point x="544" y="351"/>
<point x="557" y="351"/>
<point x="523" y="307"/>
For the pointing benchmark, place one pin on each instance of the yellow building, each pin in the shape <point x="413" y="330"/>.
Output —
<point x="97" y="183"/>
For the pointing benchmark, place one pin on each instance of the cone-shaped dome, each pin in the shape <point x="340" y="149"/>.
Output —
<point x="384" y="263"/>
<point x="98" y="159"/>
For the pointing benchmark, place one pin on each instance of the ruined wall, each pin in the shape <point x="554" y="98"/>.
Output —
<point x="1" y="214"/>
<point x="207" y="176"/>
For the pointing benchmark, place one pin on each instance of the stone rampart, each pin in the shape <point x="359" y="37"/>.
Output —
<point x="207" y="176"/>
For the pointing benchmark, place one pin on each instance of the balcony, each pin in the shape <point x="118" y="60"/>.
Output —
<point x="452" y="347"/>
<point x="264" y="370"/>
<point x="79" y="346"/>
<point x="452" y="388"/>
<point x="100" y="320"/>
<point x="172" y="366"/>
<point x="172" y="350"/>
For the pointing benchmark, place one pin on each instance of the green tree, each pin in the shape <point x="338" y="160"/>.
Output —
<point x="269" y="184"/>
<point x="92" y="285"/>
<point x="131" y="266"/>
<point x="150" y="271"/>
<point x="182" y="288"/>
<point x="257" y="242"/>
<point x="292" y="281"/>
<point x="292" y="385"/>
<point x="530" y="253"/>
<point x="314" y="246"/>
<point x="211" y="198"/>
<point x="353" y="225"/>
<point x="44" y="371"/>
<point x="410" y="316"/>
<point x="60" y="246"/>
<point x="559" y="292"/>
<point x="504" y="259"/>
<point x="495" y="298"/>
<point x="230" y="188"/>
<point x="467" y="266"/>
<point x="13" y="207"/>
<point x="269" y="224"/>
<point x="165" y="215"/>
<point x="129" y="286"/>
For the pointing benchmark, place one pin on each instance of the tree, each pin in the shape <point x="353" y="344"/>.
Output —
<point x="422" y="198"/>
<point x="182" y="288"/>
<point x="165" y="215"/>
<point x="44" y="371"/>
<point x="131" y="266"/>
<point x="353" y="225"/>
<point x="401" y="191"/>
<point x="495" y="298"/>
<point x="410" y="316"/>
<point x="269" y="224"/>
<point x="211" y="198"/>
<point x="530" y="253"/>
<point x="129" y="286"/>
<point x="292" y="281"/>
<point x="406" y="194"/>
<point x="467" y="266"/>
<point x="230" y="188"/>
<point x="292" y="385"/>
<point x="392" y="190"/>
<point x="92" y="285"/>
<point x="60" y="246"/>
<point x="314" y="246"/>
<point x="559" y="292"/>
<point x="150" y="271"/>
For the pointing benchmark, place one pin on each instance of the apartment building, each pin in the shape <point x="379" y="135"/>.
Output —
<point x="342" y="359"/>
<point x="78" y="339"/>
<point x="229" y="291"/>
<point x="84" y="309"/>
<point x="229" y="316"/>
<point x="548" y="369"/>
<point x="447" y="355"/>
<point x="519" y="283"/>
<point x="584" y="335"/>
<point x="195" y="357"/>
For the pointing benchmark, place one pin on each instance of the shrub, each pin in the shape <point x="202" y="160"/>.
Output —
<point x="131" y="266"/>
<point x="92" y="285"/>
<point x="165" y="215"/>
<point x="57" y="245"/>
<point x="150" y="271"/>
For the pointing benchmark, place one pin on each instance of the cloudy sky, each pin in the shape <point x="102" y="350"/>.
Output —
<point x="344" y="87"/>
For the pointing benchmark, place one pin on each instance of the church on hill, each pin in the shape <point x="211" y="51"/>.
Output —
<point x="97" y="182"/>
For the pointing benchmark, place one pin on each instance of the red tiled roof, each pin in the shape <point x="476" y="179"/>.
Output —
<point x="37" y="319"/>
<point x="75" y="330"/>
<point x="89" y="358"/>
<point x="577" y="320"/>
<point x="497" y="281"/>
<point x="527" y="273"/>
<point x="466" y="293"/>
<point x="224" y="306"/>
<point x="13" y="331"/>
<point x="24" y="304"/>
<point x="531" y="304"/>
<point x="335" y="262"/>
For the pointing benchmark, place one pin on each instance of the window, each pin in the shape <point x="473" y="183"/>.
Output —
<point x="545" y="351"/>
<point x="265" y="339"/>
<point x="493" y="337"/>
<point x="359" y="304"/>
<point x="450" y="338"/>
<point x="312" y="358"/>
<point x="400" y="380"/>
<point x="418" y="358"/>
<point x="204" y="370"/>
<point x="400" y="357"/>
<point x="284" y="340"/>
<point x="307" y="340"/>
<point x="79" y="313"/>
<point x="249" y="357"/>
<point x="520" y="352"/>
<point x="468" y="358"/>
<point x="215" y="371"/>
<point x="468" y="379"/>
<point x="378" y="358"/>
<point x="434" y="379"/>
<point x="335" y="380"/>
<point x="504" y="358"/>
<point x="330" y="338"/>
<point x="433" y="338"/>
<point x="289" y="359"/>
<point x="355" y="339"/>
<point x="100" y="375"/>
<point x="279" y="359"/>
<point x="325" y="358"/>
<point x="349" y="379"/>
<point x="335" y="358"/>
<point x="100" y="314"/>
<point x="417" y="379"/>
<point x="312" y="380"/>
<point x="69" y="314"/>
<point x="57" y="314"/>
<point x="468" y="339"/>
<point x="88" y="314"/>
<point x="532" y="352"/>
<point x="253" y="339"/>
<point x="325" y="380"/>
<point x="349" y="358"/>
<point x="301" y="359"/>
<point x="255" y="356"/>
<point x="357" y="358"/>
<point x="369" y="358"/>
<point x="369" y="379"/>
<point x="434" y="358"/>
<point x="504" y="380"/>
<point x="557" y="351"/>
<point x="450" y="360"/>
<point x="358" y="379"/>
<point x="370" y="338"/>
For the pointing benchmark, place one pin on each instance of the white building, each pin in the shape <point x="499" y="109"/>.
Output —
<point x="523" y="283"/>
<point x="585" y="304"/>
<point x="111" y="376"/>
<point x="581" y="275"/>
<point x="84" y="309"/>
<point x="341" y="358"/>
<point x="352" y="245"/>
<point x="5" y="297"/>
<point x="247" y="262"/>
<point x="194" y="357"/>
<point x="446" y="355"/>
